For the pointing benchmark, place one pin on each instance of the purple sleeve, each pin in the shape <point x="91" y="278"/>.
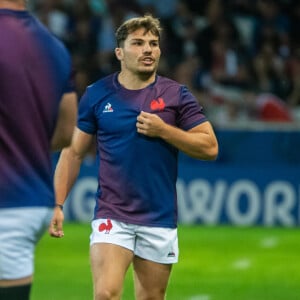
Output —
<point x="190" y="111"/>
<point x="86" y="118"/>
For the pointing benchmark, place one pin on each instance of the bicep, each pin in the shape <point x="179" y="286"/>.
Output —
<point x="81" y="143"/>
<point x="203" y="128"/>
<point x="206" y="133"/>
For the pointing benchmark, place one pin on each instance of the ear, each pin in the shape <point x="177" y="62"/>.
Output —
<point x="119" y="53"/>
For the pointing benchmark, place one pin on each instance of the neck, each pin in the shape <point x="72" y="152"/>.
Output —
<point x="13" y="4"/>
<point x="135" y="82"/>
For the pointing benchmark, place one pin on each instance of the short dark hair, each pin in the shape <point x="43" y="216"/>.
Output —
<point x="147" y="21"/>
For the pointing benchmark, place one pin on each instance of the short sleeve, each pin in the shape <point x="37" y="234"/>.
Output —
<point x="86" y="117"/>
<point x="190" y="111"/>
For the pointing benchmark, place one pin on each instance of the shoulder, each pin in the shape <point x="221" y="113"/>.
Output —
<point x="165" y="84"/>
<point x="50" y="41"/>
<point x="101" y="89"/>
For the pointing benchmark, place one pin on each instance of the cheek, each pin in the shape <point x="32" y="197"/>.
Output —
<point x="157" y="53"/>
<point x="130" y="58"/>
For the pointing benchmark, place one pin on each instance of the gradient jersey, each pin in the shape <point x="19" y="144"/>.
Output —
<point x="35" y="71"/>
<point x="137" y="174"/>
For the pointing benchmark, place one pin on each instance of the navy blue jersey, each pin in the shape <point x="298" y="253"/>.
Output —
<point x="35" y="71"/>
<point x="137" y="174"/>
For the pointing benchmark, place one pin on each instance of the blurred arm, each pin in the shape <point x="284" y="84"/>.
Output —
<point x="65" y="123"/>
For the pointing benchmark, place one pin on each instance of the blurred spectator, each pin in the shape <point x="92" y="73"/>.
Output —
<point x="266" y="108"/>
<point x="293" y="71"/>
<point x="183" y="32"/>
<point x="164" y="10"/>
<point x="215" y="18"/>
<point x="271" y="26"/>
<point x="54" y="15"/>
<point x="269" y="71"/>
<point x="83" y="29"/>
<point x="295" y="23"/>
<point x="116" y="12"/>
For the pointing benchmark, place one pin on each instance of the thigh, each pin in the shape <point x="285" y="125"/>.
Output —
<point x="112" y="244"/>
<point x="155" y="252"/>
<point x="150" y="278"/>
<point x="109" y="264"/>
<point x="20" y="230"/>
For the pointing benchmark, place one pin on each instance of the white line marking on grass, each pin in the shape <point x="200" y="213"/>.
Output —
<point x="242" y="264"/>
<point x="269" y="242"/>
<point x="200" y="297"/>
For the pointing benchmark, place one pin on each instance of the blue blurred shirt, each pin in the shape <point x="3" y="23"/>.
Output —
<point x="35" y="71"/>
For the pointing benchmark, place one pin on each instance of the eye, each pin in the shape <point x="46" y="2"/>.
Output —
<point x="138" y="43"/>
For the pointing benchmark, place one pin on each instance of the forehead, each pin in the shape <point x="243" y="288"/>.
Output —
<point x="141" y="34"/>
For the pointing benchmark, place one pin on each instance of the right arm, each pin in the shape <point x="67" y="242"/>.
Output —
<point x="66" y="173"/>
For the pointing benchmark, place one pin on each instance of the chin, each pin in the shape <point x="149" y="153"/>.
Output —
<point x="147" y="71"/>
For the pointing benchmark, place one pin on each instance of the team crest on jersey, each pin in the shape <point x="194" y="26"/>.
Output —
<point x="108" y="108"/>
<point x="157" y="104"/>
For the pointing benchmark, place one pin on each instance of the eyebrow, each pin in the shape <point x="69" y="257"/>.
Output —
<point x="140" y="39"/>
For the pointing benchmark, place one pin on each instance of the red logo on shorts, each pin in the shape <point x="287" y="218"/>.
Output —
<point x="105" y="226"/>
<point x="157" y="104"/>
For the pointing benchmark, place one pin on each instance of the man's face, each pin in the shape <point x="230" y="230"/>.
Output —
<point x="140" y="53"/>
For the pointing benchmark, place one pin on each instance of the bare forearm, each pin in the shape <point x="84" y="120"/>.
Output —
<point x="66" y="173"/>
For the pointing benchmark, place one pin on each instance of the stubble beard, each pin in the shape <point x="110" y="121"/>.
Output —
<point x="145" y="73"/>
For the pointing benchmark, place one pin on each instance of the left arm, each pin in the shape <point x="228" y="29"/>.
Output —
<point x="66" y="122"/>
<point x="199" y="142"/>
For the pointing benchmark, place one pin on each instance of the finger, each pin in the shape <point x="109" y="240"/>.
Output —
<point x="59" y="228"/>
<point x="55" y="229"/>
<point x="143" y="115"/>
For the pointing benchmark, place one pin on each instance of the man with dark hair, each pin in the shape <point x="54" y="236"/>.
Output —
<point x="38" y="108"/>
<point x="141" y="120"/>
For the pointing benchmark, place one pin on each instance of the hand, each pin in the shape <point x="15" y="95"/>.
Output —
<point x="149" y="124"/>
<point x="56" y="225"/>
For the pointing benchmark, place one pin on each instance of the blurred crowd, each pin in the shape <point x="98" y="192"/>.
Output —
<point x="241" y="58"/>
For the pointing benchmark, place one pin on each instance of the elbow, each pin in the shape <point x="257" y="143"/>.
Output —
<point x="213" y="153"/>
<point x="59" y="145"/>
<point x="210" y="154"/>
<point x="61" y="140"/>
<point x="213" y="150"/>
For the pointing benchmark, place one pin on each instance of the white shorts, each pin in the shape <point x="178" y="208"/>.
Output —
<point x="152" y="243"/>
<point x="20" y="230"/>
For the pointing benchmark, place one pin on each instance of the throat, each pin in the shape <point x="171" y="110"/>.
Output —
<point x="136" y="82"/>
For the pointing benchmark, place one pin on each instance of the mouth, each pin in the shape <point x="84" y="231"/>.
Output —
<point x="147" y="60"/>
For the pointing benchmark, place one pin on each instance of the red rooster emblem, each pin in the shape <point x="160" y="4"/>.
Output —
<point x="106" y="226"/>
<point x="157" y="104"/>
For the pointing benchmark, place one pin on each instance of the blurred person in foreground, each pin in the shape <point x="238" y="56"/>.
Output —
<point x="38" y="110"/>
<point x="141" y="120"/>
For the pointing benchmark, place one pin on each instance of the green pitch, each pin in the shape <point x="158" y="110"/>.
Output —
<point x="216" y="263"/>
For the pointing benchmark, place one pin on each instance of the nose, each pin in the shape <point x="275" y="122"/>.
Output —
<point x="147" y="47"/>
